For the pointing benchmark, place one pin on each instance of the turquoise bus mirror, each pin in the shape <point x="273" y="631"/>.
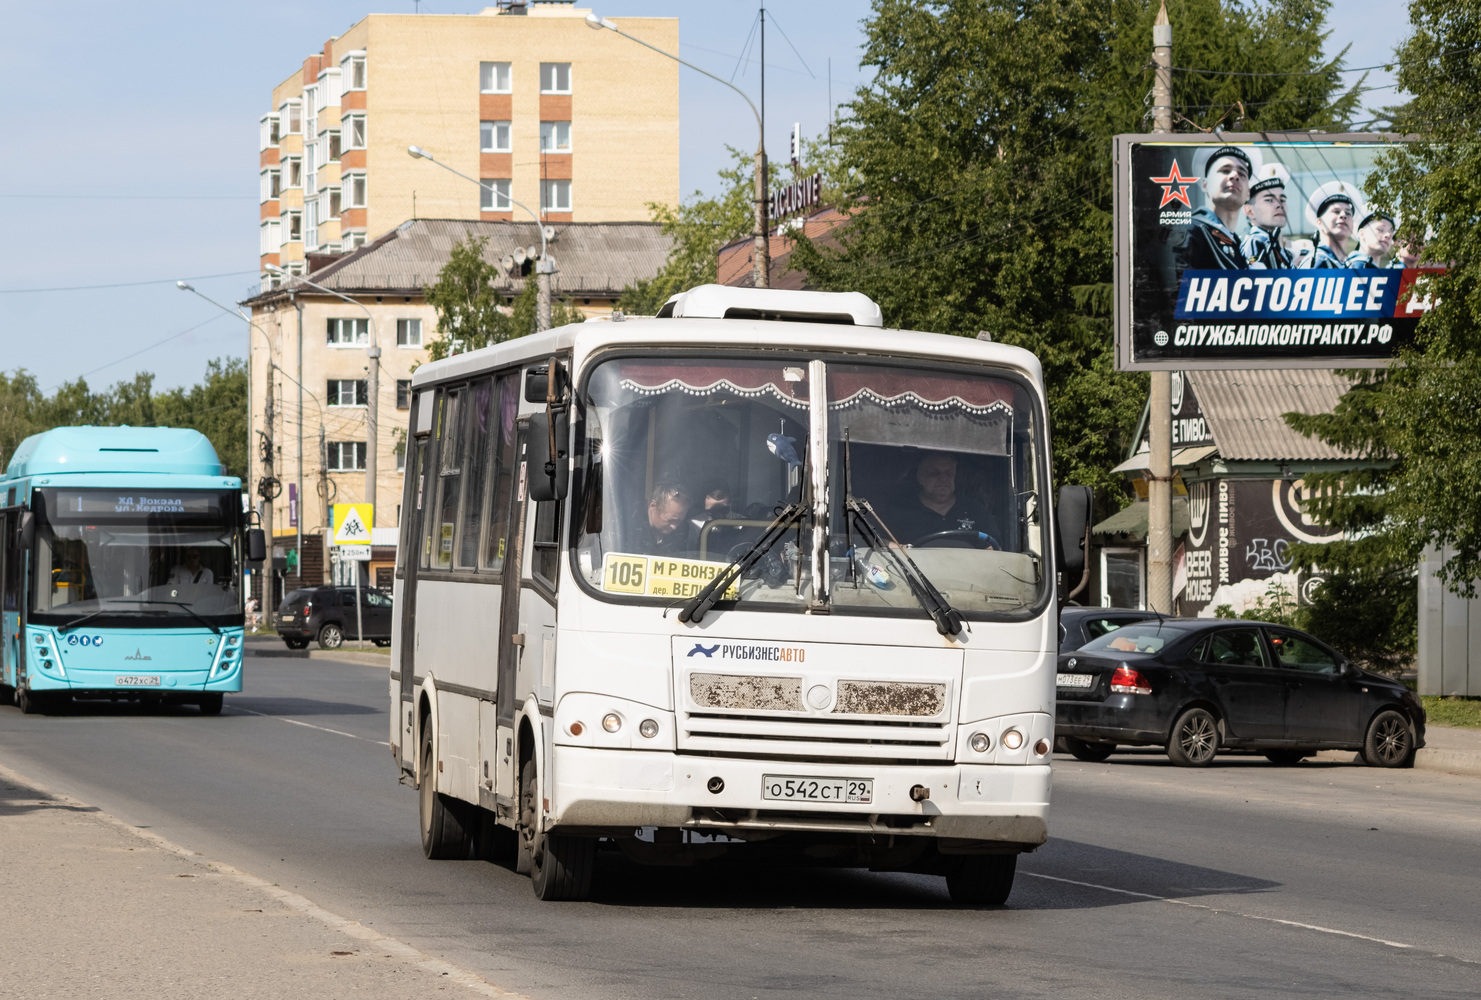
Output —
<point x="25" y="532"/>
<point x="256" y="545"/>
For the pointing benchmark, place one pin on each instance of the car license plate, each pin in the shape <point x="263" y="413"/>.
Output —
<point x="793" y="788"/>
<point x="287" y="618"/>
<point x="1074" y="680"/>
<point x="137" y="680"/>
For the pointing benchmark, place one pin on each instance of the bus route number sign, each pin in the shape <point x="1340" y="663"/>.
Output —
<point x="659" y="576"/>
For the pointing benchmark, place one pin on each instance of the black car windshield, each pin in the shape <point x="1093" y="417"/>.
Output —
<point x="161" y="558"/>
<point x="1138" y="637"/>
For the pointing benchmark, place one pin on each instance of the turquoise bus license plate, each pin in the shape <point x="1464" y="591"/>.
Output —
<point x="789" y="788"/>
<point x="137" y="680"/>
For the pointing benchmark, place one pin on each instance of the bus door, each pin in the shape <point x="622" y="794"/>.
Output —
<point x="511" y="641"/>
<point x="12" y="576"/>
<point x="409" y="552"/>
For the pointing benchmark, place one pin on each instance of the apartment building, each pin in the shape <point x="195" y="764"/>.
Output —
<point x="309" y="355"/>
<point x="577" y="125"/>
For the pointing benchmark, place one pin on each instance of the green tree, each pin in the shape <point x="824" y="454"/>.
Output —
<point x="472" y="314"/>
<point x="979" y="160"/>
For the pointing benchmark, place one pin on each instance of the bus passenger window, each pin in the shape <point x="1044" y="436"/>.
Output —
<point x="502" y="469"/>
<point x="475" y="443"/>
<point x="427" y="500"/>
<point x="545" y="560"/>
<point x="450" y="477"/>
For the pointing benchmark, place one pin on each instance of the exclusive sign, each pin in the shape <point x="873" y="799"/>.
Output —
<point x="1242" y="252"/>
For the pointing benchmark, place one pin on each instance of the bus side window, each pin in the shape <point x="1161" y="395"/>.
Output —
<point x="449" y="480"/>
<point x="545" y="560"/>
<point x="501" y="470"/>
<point x="428" y="500"/>
<point x="477" y="411"/>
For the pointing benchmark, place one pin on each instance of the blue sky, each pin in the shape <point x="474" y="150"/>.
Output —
<point x="131" y="131"/>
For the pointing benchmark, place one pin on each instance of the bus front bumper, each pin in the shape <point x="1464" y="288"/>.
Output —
<point x="592" y="788"/>
<point x="111" y="683"/>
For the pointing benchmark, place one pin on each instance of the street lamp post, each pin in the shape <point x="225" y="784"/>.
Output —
<point x="761" y="256"/>
<point x="544" y="267"/>
<point x="372" y="407"/>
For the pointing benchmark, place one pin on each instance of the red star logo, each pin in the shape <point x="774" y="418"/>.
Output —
<point x="1174" y="179"/>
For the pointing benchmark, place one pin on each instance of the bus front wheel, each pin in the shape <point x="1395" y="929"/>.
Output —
<point x="211" y="703"/>
<point x="29" y="702"/>
<point x="982" y="879"/>
<point x="560" y="866"/>
<point x="444" y="834"/>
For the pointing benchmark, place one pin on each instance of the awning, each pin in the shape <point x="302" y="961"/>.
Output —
<point x="1181" y="458"/>
<point x="1132" y="520"/>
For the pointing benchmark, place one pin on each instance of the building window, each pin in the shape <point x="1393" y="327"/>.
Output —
<point x="493" y="78"/>
<point x="495" y="196"/>
<point x="267" y="132"/>
<point x="408" y="334"/>
<point x="270" y="237"/>
<point x="331" y="146"/>
<point x="351" y="241"/>
<point x="348" y="392"/>
<point x="555" y="196"/>
<point x="555" y="78"/>
<point x="555" y="137"/>
<point x="493" y="137"/>
<point x="346" y="456"/>
<point x="292" y="227"/>
<point x="329" y="89"/>
<point x="401" y="468"/>
<point x="291" y="115"/>
<point x="333" y="203"/>
<point x="353" y="128"/>
<point x="311" y="107"/>
<point x="349" y="332"/>
<point x="292" y="172"/>
<point x="270" y="184"/>
<point x="353" y="191"/>
<point x="311" y="224"/>
<point x="352" y="68"/>
<point x="403" y="394"/>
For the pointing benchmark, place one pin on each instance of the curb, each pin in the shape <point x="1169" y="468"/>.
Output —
<point x="1453" y="761"/>
<point x="343" y="655"/>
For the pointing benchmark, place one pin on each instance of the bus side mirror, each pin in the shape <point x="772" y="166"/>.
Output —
<point x="1072" y="516"/>
<point x="256" y="545"/>
<point x="549" y="480"/>
<point x="25" y="532"/>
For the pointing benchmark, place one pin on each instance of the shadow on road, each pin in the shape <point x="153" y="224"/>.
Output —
<point x="16" y="800"/>
<point x="299" y="706"/>
<point x="1155" y="757"/>
<point x="1076" y="861"/>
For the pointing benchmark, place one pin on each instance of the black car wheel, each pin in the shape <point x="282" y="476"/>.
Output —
<point x="1195" y="739"/>
<point x="1093" y="753"/>
<point x="1390" y="741"/>
<point x="1285" y="758"/>
<point x="331" y="636"/>
<point x="982" y="879"/>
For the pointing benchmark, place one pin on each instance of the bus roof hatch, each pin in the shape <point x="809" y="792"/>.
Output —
<point x="776" y="304"/>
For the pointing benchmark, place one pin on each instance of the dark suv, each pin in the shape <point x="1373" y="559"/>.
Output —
<point x="328" y="615"/>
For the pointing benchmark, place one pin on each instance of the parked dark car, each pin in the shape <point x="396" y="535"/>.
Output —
<point x="328" y="615"/>
<point x="1194" y="685"/>
<point x="1077" y="626"/>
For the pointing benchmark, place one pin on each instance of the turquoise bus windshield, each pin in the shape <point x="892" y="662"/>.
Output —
<point x="159" y="558"/>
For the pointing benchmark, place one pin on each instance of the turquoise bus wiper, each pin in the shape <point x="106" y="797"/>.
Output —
<point x="179" y="604"/>
<point x="79" y="622"/>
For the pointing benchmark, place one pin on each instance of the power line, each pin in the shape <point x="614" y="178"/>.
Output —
<point x="123" y="284"/>
<point x="149" y="347"/>
<point x="1313" y="72"/>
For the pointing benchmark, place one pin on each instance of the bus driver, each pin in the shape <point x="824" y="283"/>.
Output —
<point x="936" y="506"/>
<point x="190" y="570"/>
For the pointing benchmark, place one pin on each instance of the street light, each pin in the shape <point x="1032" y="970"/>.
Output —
<point x="372" y="408"/>
<point x="544" y="267"/>
<point x="761" y="257"/>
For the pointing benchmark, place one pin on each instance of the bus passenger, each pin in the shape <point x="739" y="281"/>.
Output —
<point x="937" y="506"/>
<point x="670" y="532"/>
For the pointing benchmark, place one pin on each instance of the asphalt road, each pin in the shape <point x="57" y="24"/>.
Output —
<point x="1243" y="880"/>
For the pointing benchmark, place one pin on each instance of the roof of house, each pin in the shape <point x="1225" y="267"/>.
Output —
<point x="591" y="258"/>
<point x="1132" y="520"/>
<point x="1244" y="410"/>
<point x="734" y="262"/>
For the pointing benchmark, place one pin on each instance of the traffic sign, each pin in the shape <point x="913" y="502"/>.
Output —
<point x="352" y="523"/>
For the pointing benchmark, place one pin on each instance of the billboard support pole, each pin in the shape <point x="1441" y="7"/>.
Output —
<point x="1159" y="415"/>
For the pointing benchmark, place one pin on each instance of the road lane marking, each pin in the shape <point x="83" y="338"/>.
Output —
<point x="292" y="900"/>
<point x="1248" y="916"/>
<point x="309" y="725"/>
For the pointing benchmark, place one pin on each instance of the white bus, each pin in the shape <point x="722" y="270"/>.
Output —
<point x="754" y="577"/>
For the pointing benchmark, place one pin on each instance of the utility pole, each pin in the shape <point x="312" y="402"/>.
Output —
<point x="761" y="255"/>
<point x="1159" y="407"/>
<point x="298" y="307"/>
<point x="544" y="268"/>
<point x="372" y="420"/>
<point x="266" y="489"/>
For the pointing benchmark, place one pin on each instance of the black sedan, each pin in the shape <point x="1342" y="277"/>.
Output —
<point x="1194" y="685"/>
<point x="328" y="614"/>
<point x="1077" y="626"/>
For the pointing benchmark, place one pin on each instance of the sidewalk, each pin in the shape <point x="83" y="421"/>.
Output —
<point x="1450" y="749"/>
<point x="377" y="656"/>
<point x="109" y="911"/>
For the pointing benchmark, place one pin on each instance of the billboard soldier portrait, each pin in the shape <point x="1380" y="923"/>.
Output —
<point x="1266" y="210"/>
<point x="1209" y="242"/>
<point x="1375" y="242"/>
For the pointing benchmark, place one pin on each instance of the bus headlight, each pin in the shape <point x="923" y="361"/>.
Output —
<point x="611" y="722"/>
<point x="648" y="728"/>
<point x="1012" y="739"/>
<point x="980" y="742"/>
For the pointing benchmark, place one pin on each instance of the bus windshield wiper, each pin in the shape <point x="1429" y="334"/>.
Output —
<point x="947" y="618"/>
<point x="179" y="604"/>
<point x="79" y="622"/>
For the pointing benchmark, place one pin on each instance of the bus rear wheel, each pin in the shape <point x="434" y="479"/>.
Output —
<point x="444" y="834"/>
<point x="560" y="866"/>
<point x="211" y="703"/>
<point x="982" y="879"/>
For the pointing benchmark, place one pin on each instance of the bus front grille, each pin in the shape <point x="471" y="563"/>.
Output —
<point x="815" y="737"/>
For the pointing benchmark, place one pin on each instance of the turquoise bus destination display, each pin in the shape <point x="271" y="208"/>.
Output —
<point x="1251" y="251"/>
<point x="134" y="503"/>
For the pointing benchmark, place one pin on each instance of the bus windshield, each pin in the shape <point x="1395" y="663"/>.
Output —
<point x="688" y="461"/>
<point x="151" y="558"/>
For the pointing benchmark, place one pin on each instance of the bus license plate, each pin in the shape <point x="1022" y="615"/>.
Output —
<point x="137" y="680"/>
<point x="1074" y="680"/>
<point x="792" y="788"/>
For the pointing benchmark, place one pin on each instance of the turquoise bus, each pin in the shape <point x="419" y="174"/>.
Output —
<point x="121" y="569"/>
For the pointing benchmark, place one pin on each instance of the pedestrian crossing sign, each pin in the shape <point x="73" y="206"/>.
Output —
<point x="352" y="523"/>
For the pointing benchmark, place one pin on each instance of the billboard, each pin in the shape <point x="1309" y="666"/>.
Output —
<point x="1247" y="251"/>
